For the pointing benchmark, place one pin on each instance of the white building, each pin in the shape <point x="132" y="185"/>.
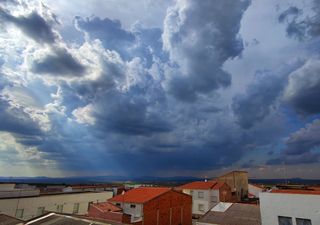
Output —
<point x="10" y="191"/>
<point x="27" y="207"/>
<point x="254" y="190"/>
<point x="290" y="207"/>
<point x="205" y="194"/>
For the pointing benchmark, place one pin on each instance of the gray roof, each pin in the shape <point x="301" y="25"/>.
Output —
<point x="8" y="220"/>
<point x="237" y="214"/>
<point x="61" y="219"/>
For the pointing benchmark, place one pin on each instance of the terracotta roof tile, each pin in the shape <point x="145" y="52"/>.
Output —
<point x="107" y="207"/>
<point x="140" y="195"/>
<point x="203" y="185"/>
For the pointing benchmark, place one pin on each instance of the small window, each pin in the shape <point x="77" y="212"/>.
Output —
<point x="301" y="221"/>
<point x="214" y="199"/>
<point x="200" y="194"/>
<point x="201" y="207"/>
<point x="59" y="208"/>
<point x="40" y="211"/>
<point x="118" y="204"/>
<point x="283" y="220"/>
<point x="76" y="208"/>
<point x="132" y="206"/>
<point x="233" y="193"/>
<point x="19" y="213"/>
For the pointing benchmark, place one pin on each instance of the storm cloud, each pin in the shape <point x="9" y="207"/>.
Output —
<point x="300" y="26"/>
<point x="303" y="90"/>
<point x="33" y="25"/>
<point x="304" y="140"/>
<point x="59" y="63"/>
<point x="200" y="37"/>
<point x="256" y="103"/>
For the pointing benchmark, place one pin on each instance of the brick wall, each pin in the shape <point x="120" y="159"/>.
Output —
<point x="171" y="208"/>
<point x="225" y="194"/>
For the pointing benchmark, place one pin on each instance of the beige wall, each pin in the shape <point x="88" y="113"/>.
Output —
<point x="50" y="202"/>
<point x="238" y="181"/>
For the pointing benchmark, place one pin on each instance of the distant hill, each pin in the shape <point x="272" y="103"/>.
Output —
<point x="97" y="179"/>
<point x="286" y="181"/>
<point x="143" y="179"/>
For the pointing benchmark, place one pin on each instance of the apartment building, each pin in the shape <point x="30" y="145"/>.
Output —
<point x="155" y="206"/>
<point x="238" y="181"/>
<point x="290" y="207"/>
<point x="206" y="194"/>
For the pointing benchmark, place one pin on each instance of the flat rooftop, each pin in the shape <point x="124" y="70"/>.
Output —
<point x="233" y="213"/>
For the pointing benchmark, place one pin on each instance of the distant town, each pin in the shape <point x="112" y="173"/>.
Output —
<point x="229" y="199"/>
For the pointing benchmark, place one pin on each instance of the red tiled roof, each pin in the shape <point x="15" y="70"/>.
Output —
<point x="203" y="185"/>
<point x="106" y="207"/>
<point x="292" y="191"/>
<point x="140" y="195"/>
<point x="219" y="184"/>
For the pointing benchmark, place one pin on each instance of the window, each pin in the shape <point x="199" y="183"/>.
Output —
<point x="301" y="221"/>
<point x="283" y="220"/>
<point x="132" y="206"/>
<point x="214" y="199"/>
<point x="40" y="211"/>
<point x="118" y="204"/>
<point x="19" y="213"/>
<point x="191" y="192"/>
<point x="201" y="207"/>
<point x="76" y="208"/>
<point x="200" y="194"/>
<point x="59" y="208"/>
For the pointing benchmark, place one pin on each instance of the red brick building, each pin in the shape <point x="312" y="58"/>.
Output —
<point x="151" y="206"/>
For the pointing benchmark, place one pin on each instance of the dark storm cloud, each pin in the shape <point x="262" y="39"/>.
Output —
<point x="108" y="31"/>
<point x="142" y="42"/>
<point x="307" y="158"/>
<point x="299" y="26"/>
<point x="302" y="147"/>
<point x="195" y="158"/>
<point x="304" y="140"/>
<point x="15" y="120"/>
<point x="127" y="114"/>
<point x="200" y="36"/>
<point x="255" y="104"/>
<point x="33" y="25"/>
<point x="303" y="90"/>
<point x="59" y="63"/>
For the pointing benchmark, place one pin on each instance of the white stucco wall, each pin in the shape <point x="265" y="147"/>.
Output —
<point x="254" y="190"/>
<point x="273" y="205"/>
<point x="206" y="201"/>
<point x="50" y="202"/>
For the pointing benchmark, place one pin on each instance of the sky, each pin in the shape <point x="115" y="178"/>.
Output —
<point x="160" y="88"/>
